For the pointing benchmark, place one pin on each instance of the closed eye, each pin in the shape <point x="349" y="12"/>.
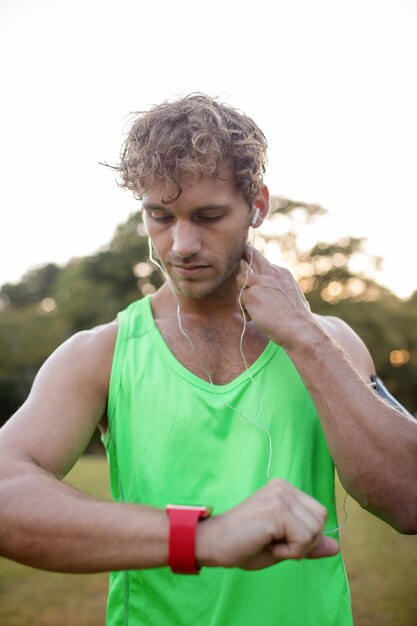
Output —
<point x="210" y="218"/>
<point x="207" y="214"/>
<point x="160" y="216"/>
<point x="163" y="218"/>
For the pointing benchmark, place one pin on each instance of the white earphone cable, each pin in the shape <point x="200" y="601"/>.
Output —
<point x="242" y="414"/>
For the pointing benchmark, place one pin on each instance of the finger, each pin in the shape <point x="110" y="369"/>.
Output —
<point x="311" y="512"/>
<point x="244" y="279"/>
<point x="308" y="525"/>
<point x="326" y="547"/>
<point x="244" y="265"/>
<point x="247" y="279"/>
<point x="243" y="311"/>
<point x="260" y="561"/>
<point x="256" y="260"/>
<point x="303" y="535"/>
<point x="307" y="520"/>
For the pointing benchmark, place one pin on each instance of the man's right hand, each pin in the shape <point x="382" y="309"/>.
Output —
<point x="277" y="522"/>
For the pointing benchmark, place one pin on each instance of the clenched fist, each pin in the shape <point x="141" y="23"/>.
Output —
<point x="277" y="522"/>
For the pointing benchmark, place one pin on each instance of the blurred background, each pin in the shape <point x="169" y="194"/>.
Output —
<point x="331" y="83"/>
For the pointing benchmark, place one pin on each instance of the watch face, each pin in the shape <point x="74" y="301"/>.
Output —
<point x="205" y="510"/>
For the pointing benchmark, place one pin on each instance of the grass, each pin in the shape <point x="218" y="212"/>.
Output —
<point x="30" y="597"/>
<point x="381" y="564"/>
<point x="382" y="570"/>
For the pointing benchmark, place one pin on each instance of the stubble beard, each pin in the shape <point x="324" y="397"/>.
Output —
<point x="231" y="268"/>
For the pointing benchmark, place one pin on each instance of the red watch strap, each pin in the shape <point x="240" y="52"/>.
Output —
<point x="183" y="523"/>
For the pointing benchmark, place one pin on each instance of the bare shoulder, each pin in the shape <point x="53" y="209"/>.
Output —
<point x="101" y="338"/>
<point x="351" y="343"/>
<point x="87" y="354"/>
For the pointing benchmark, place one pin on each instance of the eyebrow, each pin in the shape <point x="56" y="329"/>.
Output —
<point x="205" y="207"/>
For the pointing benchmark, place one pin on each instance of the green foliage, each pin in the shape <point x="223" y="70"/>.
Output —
<point x="329" y="276"/>
<point x="35" y="286"/>
<point x="385" y="326"/>
<point x="52" y="303"/>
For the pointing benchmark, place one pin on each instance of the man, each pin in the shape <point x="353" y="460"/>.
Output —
<point x="199" y="406"/>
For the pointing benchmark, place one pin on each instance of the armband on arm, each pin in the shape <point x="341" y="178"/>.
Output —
<point x="383" y="393"/>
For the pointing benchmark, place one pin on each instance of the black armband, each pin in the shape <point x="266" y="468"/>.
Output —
<point x="383" y="393"/>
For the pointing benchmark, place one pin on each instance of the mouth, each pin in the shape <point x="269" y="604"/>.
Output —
<point x="189" y="270"/>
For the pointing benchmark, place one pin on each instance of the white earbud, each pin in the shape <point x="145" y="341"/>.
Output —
<point x="255" y="217"/>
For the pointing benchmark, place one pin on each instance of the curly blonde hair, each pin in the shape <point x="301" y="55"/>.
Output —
<point x="195" y="135"/>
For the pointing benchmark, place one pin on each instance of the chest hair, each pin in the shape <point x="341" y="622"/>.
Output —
<point x="216" y="348"/>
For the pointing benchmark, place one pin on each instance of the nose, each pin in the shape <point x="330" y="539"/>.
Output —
<point x="186" y="241"/>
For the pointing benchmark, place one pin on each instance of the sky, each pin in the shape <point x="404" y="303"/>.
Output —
<point x="330" y="82"/>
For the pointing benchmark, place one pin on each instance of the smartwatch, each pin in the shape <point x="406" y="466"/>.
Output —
<point x="183" y="520"/>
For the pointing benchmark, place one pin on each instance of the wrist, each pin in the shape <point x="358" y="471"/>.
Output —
<point x="308" y="339"/>
<point x="206" y="543"/>
<point x="184" y="520"/>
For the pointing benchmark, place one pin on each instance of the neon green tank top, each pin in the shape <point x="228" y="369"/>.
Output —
<point x="172" y="439"/>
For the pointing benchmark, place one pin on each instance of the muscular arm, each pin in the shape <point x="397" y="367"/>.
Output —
<point x="374" y="446"/>
<point x="47" y="524"/>
<point x="44" y="522"/>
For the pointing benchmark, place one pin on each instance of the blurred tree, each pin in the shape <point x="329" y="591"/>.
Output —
<point x="338" y="278"/>
<point x="52" y="303"/>
<point x="34" y="286"/>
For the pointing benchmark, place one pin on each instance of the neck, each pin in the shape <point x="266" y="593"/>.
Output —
<point x="223" y="303"/>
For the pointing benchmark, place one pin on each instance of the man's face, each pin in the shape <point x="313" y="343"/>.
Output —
<point x="200" y="238"/>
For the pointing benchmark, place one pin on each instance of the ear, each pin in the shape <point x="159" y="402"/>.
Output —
<point x="260" y="206"/>
<point x="144" y="219"/>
